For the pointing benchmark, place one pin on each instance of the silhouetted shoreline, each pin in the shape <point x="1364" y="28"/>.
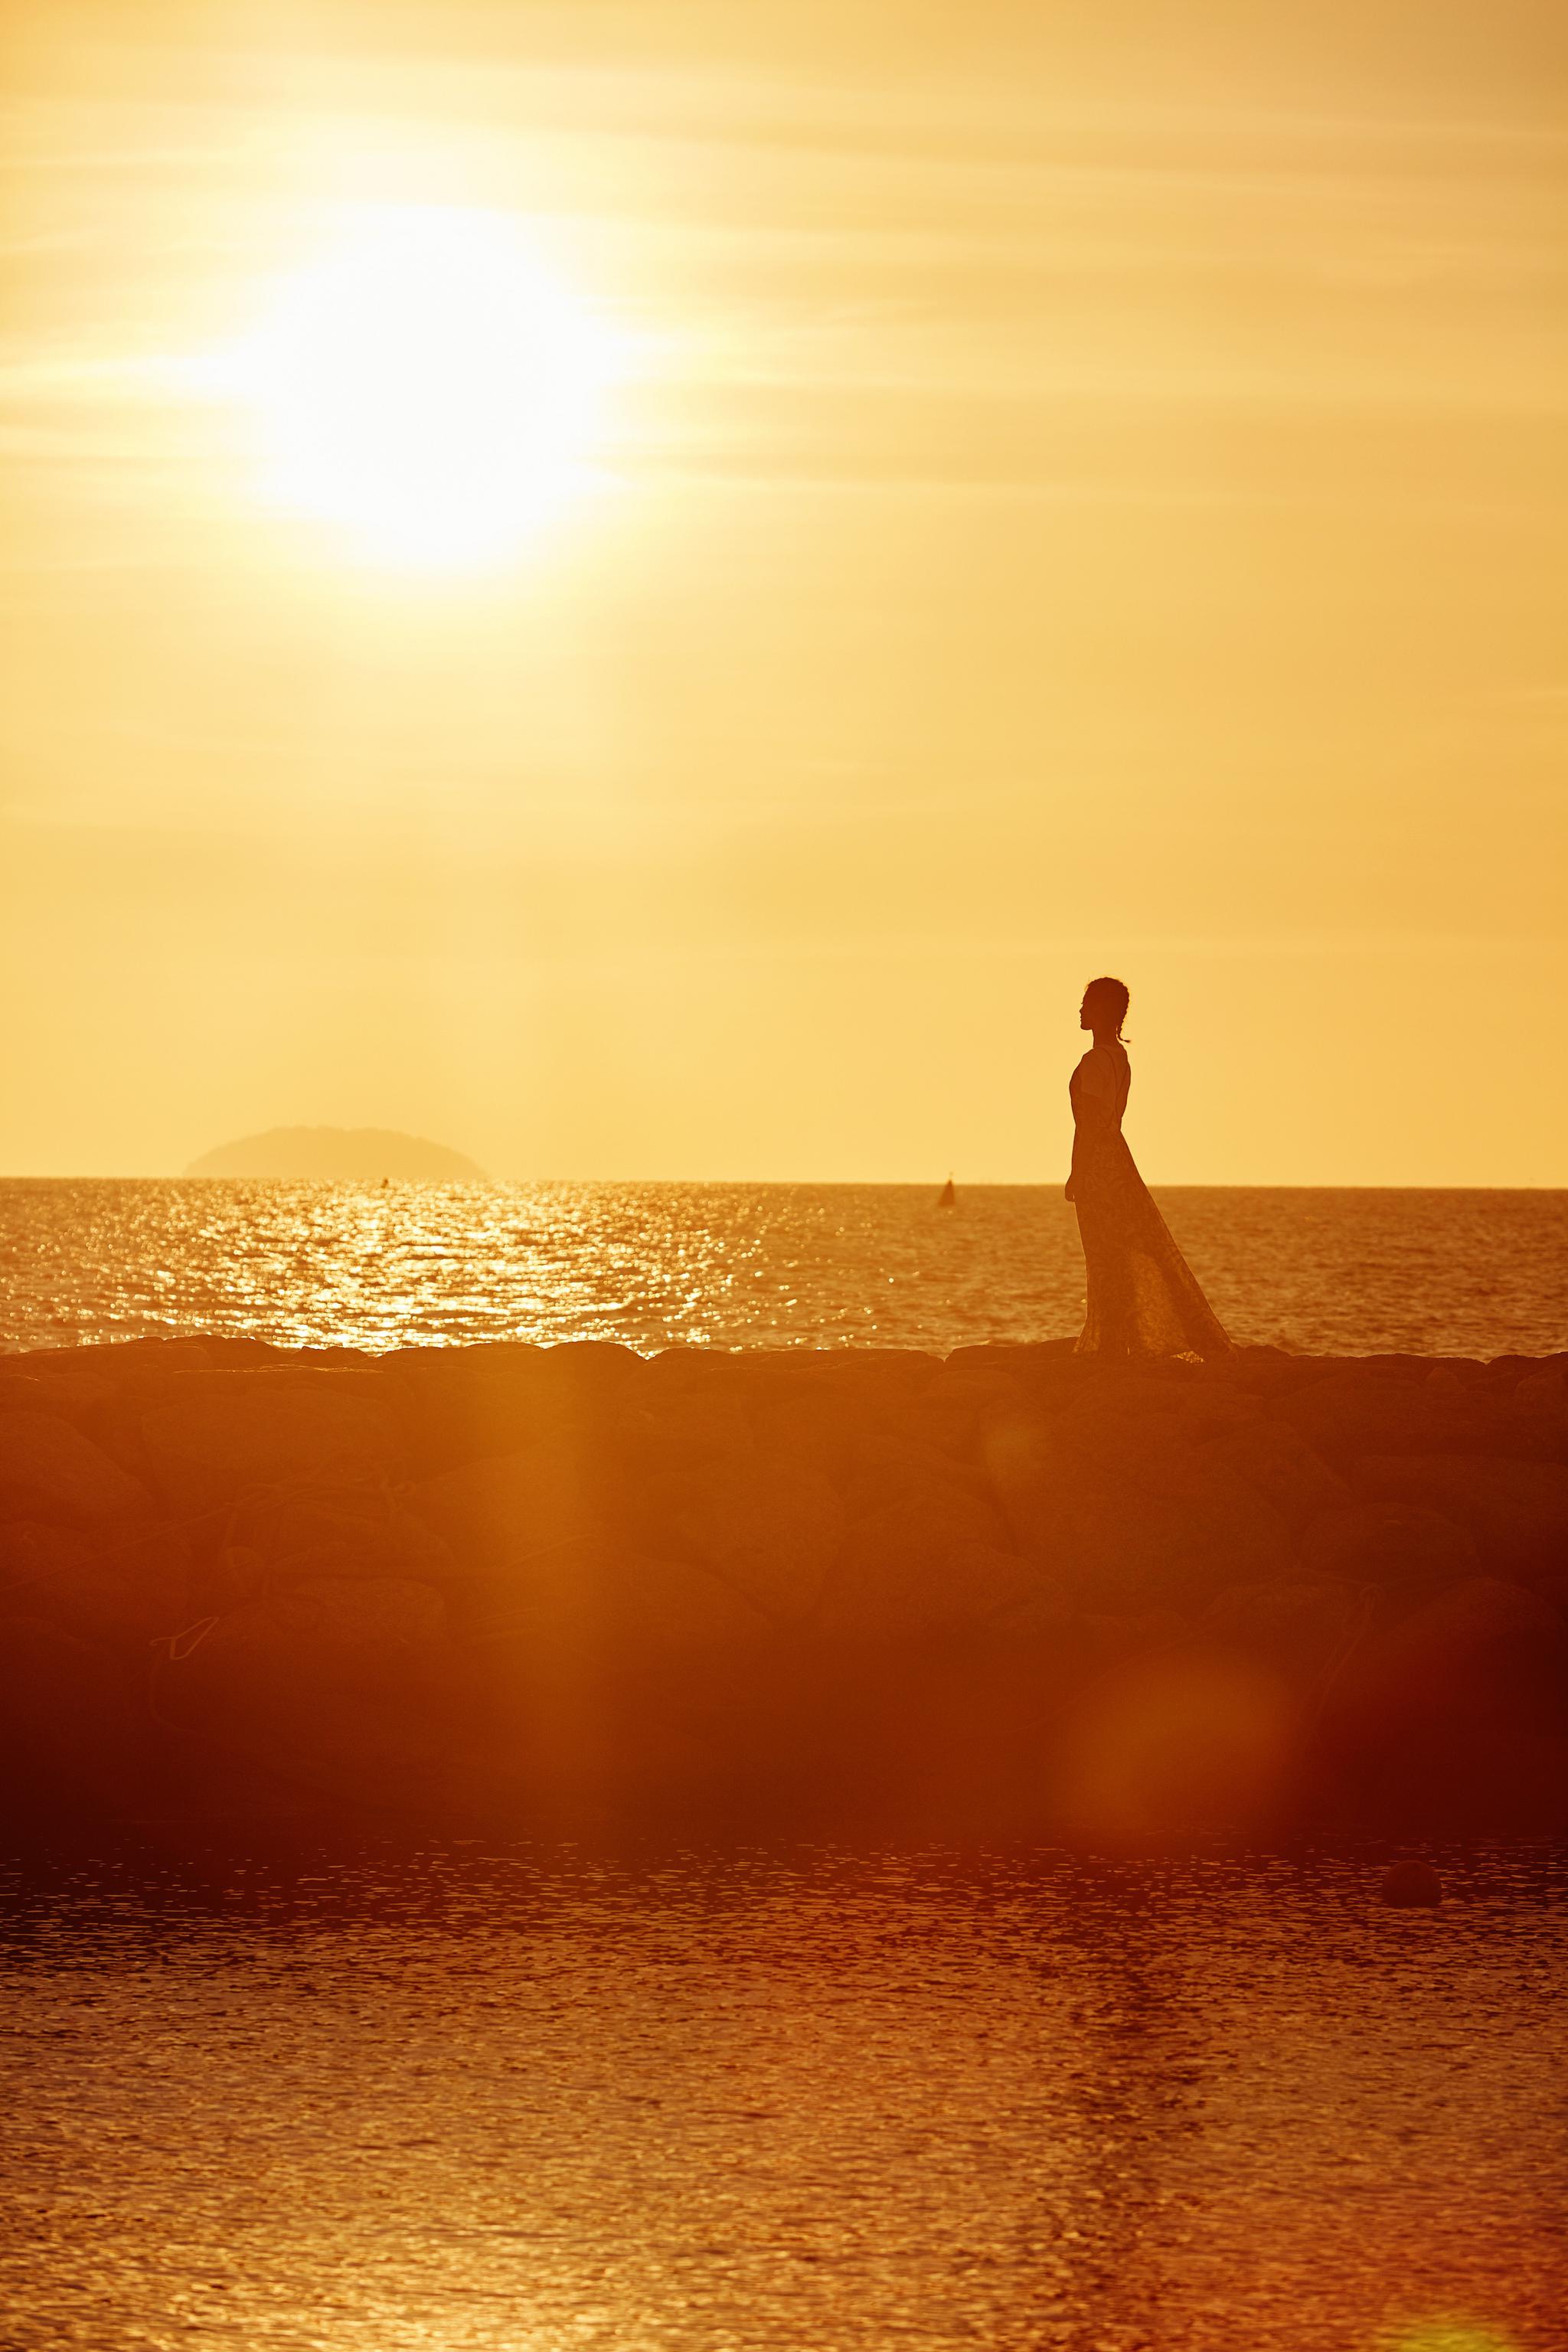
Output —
<point x="1016" y="1593"/>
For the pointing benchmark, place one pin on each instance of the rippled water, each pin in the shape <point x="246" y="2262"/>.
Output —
<point x="510" y="2101"/>
<point x="752" y="1265"/>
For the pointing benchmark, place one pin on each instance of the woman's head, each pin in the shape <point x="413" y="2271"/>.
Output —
<point x="1104" y="1007"/>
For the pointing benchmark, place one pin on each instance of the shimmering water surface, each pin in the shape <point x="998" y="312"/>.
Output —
<point x="508" y="2100"/>
<point x="751" y="1264"/>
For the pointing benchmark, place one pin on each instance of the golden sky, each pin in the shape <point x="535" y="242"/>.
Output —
<point x="1068" y="489"/>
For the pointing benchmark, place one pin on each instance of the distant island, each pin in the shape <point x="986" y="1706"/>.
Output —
<point x="342" y="1155"/>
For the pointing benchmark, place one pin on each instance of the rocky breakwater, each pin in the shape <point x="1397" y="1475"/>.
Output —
<point x="1015" y="1592"/>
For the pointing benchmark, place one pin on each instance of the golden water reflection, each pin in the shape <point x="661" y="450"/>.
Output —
<point x="752" y="1265"/>
<point x="486" y="2098"/>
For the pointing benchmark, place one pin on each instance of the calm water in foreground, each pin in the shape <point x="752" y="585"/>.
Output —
<point x="755" y="1265"/>
<point x="501" y="2100"/>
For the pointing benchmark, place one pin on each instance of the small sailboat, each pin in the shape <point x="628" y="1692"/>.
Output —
<point x="947" y="1198"/>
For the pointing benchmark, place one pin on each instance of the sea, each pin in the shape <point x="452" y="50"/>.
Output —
<point x="755" y="1266"/>
<point x="481" y="2095"/>
<point x="489" y="2099"/>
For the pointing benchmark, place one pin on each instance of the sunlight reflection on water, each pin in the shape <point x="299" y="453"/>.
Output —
<point x="751" y="1264"/>
<point x="481" y="2099"/>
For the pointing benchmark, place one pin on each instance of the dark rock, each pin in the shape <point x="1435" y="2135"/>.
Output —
<point x="823" y="1433"/>
<point x="69" y="1736"/>
<point x="1506" y="1371"/>
<point x="122" y="1357"/>
<point x="238" y="1576"/>
<point x="43" y="1568"/>
<point x="595" y="1363"/>
<point x="908" y="1370"/>
<point x="646" y="1608"/>
<point x="1516" y="1511"/>
<point x="1539" y="1400"/>
<point x="1041" y="1617"/>
<point x="771" y="1528"/>
<point x="1016" y="1361"/>
<point x="1113" y="1443"/>
<point x="1196" y="1545"/>
<point x="615" y="1578"/>
<point x="49" y="1470"/>
<point x="494" y="1515"/>
<point x="1455" y="1375"/>
<point x="31" y="1551"/>
<point x="1300" y="1631"/>
<point x="460" y="1405"/>
<point x="1398" y="1547"/>
<point x="337" y="1530"/>
<point x="1198" y="1407"/>
<point x="907" y="1572"/>
<point x="1480" y="1643"/>
<point x="122" y="1591"/>
<point x="151" y="1387"/>
<point x="1454" y="1715"/>
<point x="234" y="1432"/>
<point x="922" y="1551"/>
<point x="550" y="1675"/>
<point x="356" y="1632"/>
<point x="539" y="1544"/>
<point x="1120" y="1547"/>
<point x="364" y="1615"/>
<point x="1269" y="1371"/>
<point x="1552" y="1589"/>
<point x="1276" y="1462"/>
<point x="1032" y="1468"/>
<point x="1174" y="1740"/>
<point x="682" y="1432"/>
<point x="1359" y="1414"/>
<point x="1106" y="1638"/>
<point x="347" y="1687"/>
<point x="1485" y="1620"/>
<point x="888" y="1471"/>
<point x="84" y="1399"/>
<point x="950" y="1410"/>
<point x="245" y="1355"/>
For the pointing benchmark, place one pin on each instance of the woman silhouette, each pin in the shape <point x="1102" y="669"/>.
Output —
<point x="1143" y="1297"/>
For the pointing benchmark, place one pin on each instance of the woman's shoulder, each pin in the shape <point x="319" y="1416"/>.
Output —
<point x="1105" y="1071"/>
<point x="1096" y="1069"/>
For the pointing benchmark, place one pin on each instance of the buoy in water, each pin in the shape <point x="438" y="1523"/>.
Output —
<point x="1411" y="1887"/>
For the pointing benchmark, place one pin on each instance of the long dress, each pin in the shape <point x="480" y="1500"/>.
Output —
<point x="1143" y="1298"/>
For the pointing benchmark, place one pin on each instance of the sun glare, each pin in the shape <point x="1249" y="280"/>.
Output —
<point x="430" y="386"/>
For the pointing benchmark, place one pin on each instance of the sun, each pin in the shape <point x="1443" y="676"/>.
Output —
<point x="427" y="384"/>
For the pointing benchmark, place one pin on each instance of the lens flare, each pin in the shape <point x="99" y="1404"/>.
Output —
<point x="1171" y="1739"/>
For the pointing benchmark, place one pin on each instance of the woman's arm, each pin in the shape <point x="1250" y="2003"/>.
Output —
<point x="1093" y="1097"/>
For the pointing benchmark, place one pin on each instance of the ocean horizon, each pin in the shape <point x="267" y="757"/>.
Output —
<point x="653" y="1264"/>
